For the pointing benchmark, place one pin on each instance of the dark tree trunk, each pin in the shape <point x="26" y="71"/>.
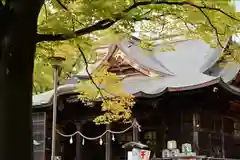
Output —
<point x="17" y="48"/>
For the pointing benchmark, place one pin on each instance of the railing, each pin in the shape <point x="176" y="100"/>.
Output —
<point x="210" y="158"/>
<point x="182" y="157"/>
<point x="194" y="158"/>
<point x="39" y="130"/>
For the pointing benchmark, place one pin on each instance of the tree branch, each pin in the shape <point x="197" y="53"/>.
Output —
<point x="214" y="28"/>
<point x="62" y="5"/>
<point x="69" y="74"/>
<point x="106" y="23"/>
<point x="91" y="78"/>
<point x="145" y="3"/>
<point x="35" y="89"/>
<point x="186" y="25"/>
<point x="101" y="25"/>
<point x="46" y="12"/>
<point x="89" y="74"/>
<point x="143" y="16"/>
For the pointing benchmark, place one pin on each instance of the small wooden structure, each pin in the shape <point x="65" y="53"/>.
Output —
<point x="184" y="96"/>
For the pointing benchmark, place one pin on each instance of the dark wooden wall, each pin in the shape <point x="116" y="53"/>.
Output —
<point x="169" y="117"/>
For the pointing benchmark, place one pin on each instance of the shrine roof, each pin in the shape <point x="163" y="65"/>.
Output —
<point x="192" y="64"/>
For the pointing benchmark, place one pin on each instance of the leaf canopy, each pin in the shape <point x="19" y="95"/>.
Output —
<point x="64" y="24"/>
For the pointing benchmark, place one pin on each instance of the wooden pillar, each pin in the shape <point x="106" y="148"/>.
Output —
<point x="182" y="127"/>
<point x="78" y="142"/>
<point x="135" y="131"/>
<point x="195" y="132"/>
<point x="222" y="137"/>
<point x="210" y="144"/>
<point x="108" y="143"/>
<point x="57" y="142"/>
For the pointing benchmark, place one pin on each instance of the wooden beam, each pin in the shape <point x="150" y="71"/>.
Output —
<point x="108" y="143"/>
<point x="195" y="132"/>
<point x="78" y="142"/>
<point x="135" y="132"/>
<point x="223" y="137"/>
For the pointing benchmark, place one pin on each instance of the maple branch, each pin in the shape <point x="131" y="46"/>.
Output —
<point x="186" y="25"/>
<point x="91" y="78"/>
<point x="69" y="74"/>
<point x="35" y="89"/>
<point x="89" y="74"/>
<point x="101" y="25"/>
<point x="214" y="28"/>
<point x="106" y="23"/>
<point x="62" y="5"/>
<point x="145" y="3"/>
<point x="227" y="51"/>
<point x="143" y="16"/>
<point x="46" y="12"/>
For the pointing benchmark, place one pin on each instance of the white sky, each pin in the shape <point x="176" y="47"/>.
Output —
<point x="237" y="2"/>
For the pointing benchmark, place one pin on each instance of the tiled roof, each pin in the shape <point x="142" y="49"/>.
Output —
<point x="193" y="64"/>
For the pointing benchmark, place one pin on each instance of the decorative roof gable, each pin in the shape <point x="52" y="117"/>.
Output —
<point x="193" y="64"/>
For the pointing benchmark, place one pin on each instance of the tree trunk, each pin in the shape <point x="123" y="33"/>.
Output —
<point x="17" y="48"/>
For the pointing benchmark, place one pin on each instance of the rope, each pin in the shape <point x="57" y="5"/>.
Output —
<point x="98" y="137"/>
